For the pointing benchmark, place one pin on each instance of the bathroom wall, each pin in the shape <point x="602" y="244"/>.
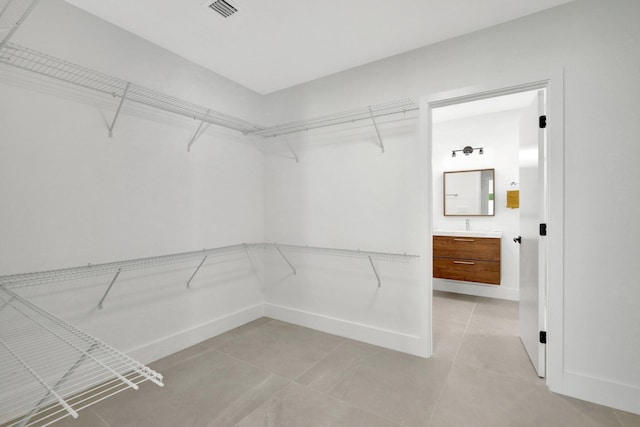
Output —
<point x="498" y="133"/>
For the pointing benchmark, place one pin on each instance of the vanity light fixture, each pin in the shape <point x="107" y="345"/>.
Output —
<point x="468" y="150"/>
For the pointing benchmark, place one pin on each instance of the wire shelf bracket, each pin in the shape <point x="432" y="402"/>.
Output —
<point x="375" y="271"/>
<point x="285" y="258"/>
<point x="196" y="272"/>
<point x="197" y="134"/>
<point x="295" y="156"/>
<point x="375" y="125"/>
<point x="76" y="370"/>
<point x="122" y="98"/>
<point x="109" y="288"/>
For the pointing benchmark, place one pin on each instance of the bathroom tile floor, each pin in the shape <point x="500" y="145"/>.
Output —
<point x="271" y="373"/>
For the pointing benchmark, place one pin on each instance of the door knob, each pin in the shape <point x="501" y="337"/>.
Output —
<point x="518" y="240"/>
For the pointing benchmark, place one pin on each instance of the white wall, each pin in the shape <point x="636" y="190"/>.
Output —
<point x="72" y="195"/>
<point x="595" y="42"/>
<point x="498" y="133"/>
<point x="345" y="193"/>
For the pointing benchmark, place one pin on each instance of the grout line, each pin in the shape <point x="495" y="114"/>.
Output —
<point x="318" y="362"/>
<point x="617" y="414"/>
<point x="101" y="418"/>
<point x="455" y="356"/>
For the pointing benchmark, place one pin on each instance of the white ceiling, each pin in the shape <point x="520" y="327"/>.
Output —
<point x="270" y="45"/>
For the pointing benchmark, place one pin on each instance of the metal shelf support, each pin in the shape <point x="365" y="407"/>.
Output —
<point x="197" y="134"/>
<point x="196" y="272"/>
<point x="374" y="271"/>
<point x="109" y="288"/>
<point x="124" y="95"/>
<point x="375" y="125"/>
<point x="295" y="156"/>
<point x="285" y="258"/>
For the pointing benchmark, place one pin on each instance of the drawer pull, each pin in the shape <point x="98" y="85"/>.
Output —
<point x="464" y="240"/>
<point x="464" y="262"/>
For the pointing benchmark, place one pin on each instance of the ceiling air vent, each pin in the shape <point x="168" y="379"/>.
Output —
<point x="223" y="7"/>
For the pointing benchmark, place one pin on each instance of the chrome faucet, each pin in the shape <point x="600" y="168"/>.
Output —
<point x="467" y="226"/>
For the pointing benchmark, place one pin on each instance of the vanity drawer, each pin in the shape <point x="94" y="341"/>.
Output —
<point x="474" y="248"/>
<point x="467" y="270"/>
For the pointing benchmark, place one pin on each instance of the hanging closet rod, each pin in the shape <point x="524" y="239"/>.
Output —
<point x="51" y="369"/>
<point x="14" y="281"/>
<point x="47" y="65"/>
<point x="366" y="113"/>
<point x="12" y="15"/>
<point x="26" y="279"/>
<point x="342" y="252"/>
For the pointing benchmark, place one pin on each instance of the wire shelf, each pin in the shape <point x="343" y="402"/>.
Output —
<point x="400" y="106"/>
<point x="12" y="15"/>
<point x="50" y="66"/>
<point x="50" y="369"/>
<point x="387" y="256"/>
<point x="50" y="276"/>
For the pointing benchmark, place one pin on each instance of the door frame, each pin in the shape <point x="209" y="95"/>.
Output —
<point x="553" y="81"/>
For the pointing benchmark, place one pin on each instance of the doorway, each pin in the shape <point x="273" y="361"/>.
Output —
<point x="494" y="101"/>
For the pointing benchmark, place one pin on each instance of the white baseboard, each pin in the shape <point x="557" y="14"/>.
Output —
<point x="394" y="340"/>
<point x="154" y="350"/>
<point x="604" y="392"/>
<point x="468" y="288"/>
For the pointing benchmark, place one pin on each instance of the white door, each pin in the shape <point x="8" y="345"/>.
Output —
<point x="533" y="212"/>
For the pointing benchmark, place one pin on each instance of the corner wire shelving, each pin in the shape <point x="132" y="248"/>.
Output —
<point x="12" y="15"/>
<point x="114" y="268"/>
<point x="371" y="112"/>
<point x="59" y="69"/>
<point x="51" y="369"/>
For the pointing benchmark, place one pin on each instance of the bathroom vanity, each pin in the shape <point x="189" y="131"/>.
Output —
<point x="466" y="255"/>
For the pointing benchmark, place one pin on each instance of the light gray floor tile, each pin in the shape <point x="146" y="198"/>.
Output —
<point x="86" y="418"/>
<point x="494" y="317"/>
<point x="240" y="331"/>
<point x="282" y="348"/>
<point x="151" y="406"/>
<point x="628" y="420"/>
<point x="181" y="356"/>
<point x="447" y="337"/>
<point x="394" y="386"/>
<point x="297" y="406"/>
<point x="503" y="355"/>
<point x="331" y="369"/>
<point x="473" y="397"/>
<point x="243" y="378"/>
<point x="211" y="389"/>
<point x="453" y="307"/>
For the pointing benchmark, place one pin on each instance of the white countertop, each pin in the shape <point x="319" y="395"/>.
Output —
<point x="464" y="233"/>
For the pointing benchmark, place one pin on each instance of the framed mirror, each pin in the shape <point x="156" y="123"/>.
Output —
<point x="469" y="193"/>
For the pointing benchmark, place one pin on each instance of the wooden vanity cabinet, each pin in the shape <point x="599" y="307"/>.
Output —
<point x="471" y="259"/>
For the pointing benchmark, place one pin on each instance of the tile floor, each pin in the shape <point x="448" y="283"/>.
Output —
<point x="270" y="373"/>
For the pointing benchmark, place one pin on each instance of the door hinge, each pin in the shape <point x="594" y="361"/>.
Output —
<point x="543" y="337"/>
<point x="542" y="122"/>
<point x="543" y="229"/>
